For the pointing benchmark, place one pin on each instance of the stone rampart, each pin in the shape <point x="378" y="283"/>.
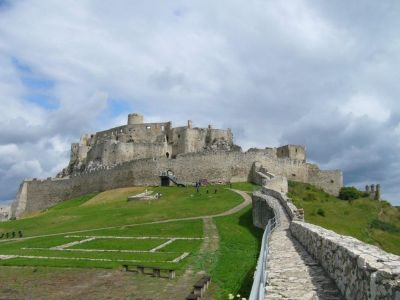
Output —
<point x="292" y="211"/>
<point x="218" y="166"/>
<point x="263" y="209"/>
<point x="327" y="180"/>
<point x="361" y="271"/>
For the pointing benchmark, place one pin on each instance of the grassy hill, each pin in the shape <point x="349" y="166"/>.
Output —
<point x="104" y="230"/>
<point x="371" y="221"/>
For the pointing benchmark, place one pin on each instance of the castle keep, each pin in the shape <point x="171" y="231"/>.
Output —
<point x="137" y="153"/>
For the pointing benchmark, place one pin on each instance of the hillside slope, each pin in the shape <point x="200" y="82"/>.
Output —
<point x="371" y="221"/>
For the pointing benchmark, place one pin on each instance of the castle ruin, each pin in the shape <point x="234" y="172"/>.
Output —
<point x="137" y="153"/>
<point x="374" y="191"/>
<point x="138" y="140"/>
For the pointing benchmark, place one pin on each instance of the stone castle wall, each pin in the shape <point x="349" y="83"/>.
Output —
<point x="361" y="271"/>
<point x="110" y="153"/>
<point x="219" y="166"/>
<point x="328" y="180"/>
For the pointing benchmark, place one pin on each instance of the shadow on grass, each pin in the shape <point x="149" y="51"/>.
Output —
<point x="246" y="221"/>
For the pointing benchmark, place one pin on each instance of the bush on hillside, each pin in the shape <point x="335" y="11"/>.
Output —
<point x="351" y="193"/>
<point x="321" y="212"/>
<point x="384" y="226"/>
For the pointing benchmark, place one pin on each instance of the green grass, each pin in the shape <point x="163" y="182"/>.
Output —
<point x="74" y="215"/>
<point x="245" y="186"/>
<point x="371" y="221"/>
<point x="240" y="244"/>
<point x="189" y="229"/>
<point x="120" y="244"/>
<point x="231" y="266"/>
<point x="92" y="213"/>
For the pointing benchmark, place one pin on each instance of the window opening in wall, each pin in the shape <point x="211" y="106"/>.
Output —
<point x="294" y="175"/>
<point x="296" y="150"/>
<point x="332" y="181"/>
<point x="167" y="154"/>
<point x="179" y="136"/>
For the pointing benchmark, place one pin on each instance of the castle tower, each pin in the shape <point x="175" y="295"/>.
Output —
<point x="135" y="118"/>
<point x="378" y="192"/>
<point x="190" y="124"/>
<point x="367" y="188"/>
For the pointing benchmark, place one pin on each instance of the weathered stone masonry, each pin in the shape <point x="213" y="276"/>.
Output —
<point x="216" y="166"/>
<point x="360" y="271"/>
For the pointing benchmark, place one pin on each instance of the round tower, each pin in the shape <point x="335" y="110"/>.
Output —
<point x="135" y="119"/>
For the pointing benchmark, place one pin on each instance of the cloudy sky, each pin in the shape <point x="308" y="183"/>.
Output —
<point x="320" y="73"/>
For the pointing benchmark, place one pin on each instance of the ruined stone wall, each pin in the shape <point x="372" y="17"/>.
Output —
<point x="109" y="134"/>
<point x="187" y="139"/>
<point x="361" y="271"/>
<point x="177" y="137"/>
<point x="148" y="132"/>
<point x="330" y="181"/>
<point x="296" y="152"/>
<point x="218" y="166"/>
<point x="110" y="152"/>
<point x="195" y="140"/>
<point x="18" y="206"/>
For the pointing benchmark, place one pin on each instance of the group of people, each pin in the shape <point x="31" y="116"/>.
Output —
<point x="199" y="184"/>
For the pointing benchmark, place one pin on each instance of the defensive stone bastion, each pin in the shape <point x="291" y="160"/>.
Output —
<point x="108" y="159"/>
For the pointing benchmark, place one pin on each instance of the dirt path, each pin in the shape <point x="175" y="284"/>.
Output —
<point x="207" y="254"/>
<point x="194" y="271"/>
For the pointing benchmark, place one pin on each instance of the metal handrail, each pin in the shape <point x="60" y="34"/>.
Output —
<point x="261" y="275"/>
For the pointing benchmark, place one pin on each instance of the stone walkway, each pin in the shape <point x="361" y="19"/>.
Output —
<point x="292" y="272"/>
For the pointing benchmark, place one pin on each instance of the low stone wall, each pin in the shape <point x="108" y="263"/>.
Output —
<point x="290" y="208"/>
<point x="361" y="271"/>
<point x="277" y="183"/>
<point x="264" y="209"/>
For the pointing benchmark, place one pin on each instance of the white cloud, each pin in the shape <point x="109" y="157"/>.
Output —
<point x="366" y="106"/>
